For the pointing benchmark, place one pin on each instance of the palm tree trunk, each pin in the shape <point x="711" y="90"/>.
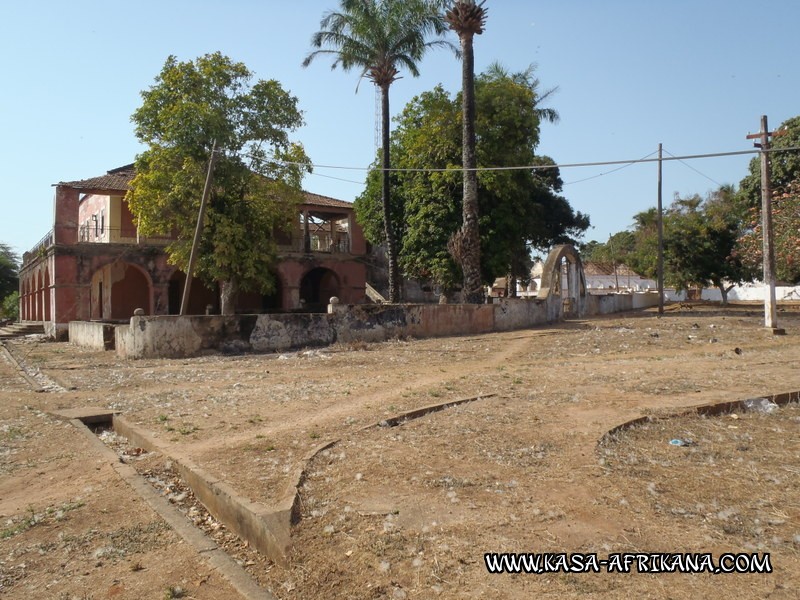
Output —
<point x="470" y="235"/>
<point x="391" y="249"/>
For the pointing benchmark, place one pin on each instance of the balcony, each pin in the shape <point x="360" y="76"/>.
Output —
<point x="93" y="234"/>
<point x="338" y="243"/>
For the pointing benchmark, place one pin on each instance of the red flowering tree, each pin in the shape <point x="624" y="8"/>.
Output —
<point x="786" y="235"/>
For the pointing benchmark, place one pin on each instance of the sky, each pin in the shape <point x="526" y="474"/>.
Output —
<point x="693" y="75"/>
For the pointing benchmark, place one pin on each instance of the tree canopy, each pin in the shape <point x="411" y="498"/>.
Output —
<point x="379" y="38"/>
<point x="519" y="208"/>
<point x="784" y="166"/>
<point x="785" y="181"/>
<point x="718" y="240"/>
<point x="700" y="240"/>
<point x="9" y="271"/>
<point x="785" y="235"/>
<point x="256" y="177"/>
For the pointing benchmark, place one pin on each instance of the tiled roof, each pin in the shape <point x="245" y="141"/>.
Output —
<point x="119" y="180"/>
<point x="116" y="180"/>
<point x="317" y="200"/>
<point x="596" y="268"/>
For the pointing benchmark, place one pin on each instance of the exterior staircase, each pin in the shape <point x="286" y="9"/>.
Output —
<point x="375" y="295"/>
<point x="16" y="330"/>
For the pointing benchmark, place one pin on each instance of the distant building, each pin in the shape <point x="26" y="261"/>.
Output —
<point x="93" y="265"/>
<point x="604" y="276"/>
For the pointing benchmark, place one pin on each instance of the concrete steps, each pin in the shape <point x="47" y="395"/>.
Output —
<point x="16" y="330"/>
<point x="375" y="295"/>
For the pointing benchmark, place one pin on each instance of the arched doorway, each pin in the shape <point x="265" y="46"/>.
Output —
<point x="129" y="292"/>
<point x="200" y="297"/>
<point x="273" y="302"/>
<point x="317" y="287"/>
<point x="46" y="296"/>
<point x="38" y="312"/>
<point x="250" y="303"/>
<point x="23" y="313"/>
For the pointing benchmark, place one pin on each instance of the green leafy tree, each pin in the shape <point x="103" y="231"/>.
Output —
<point x="519" y="209"/>
<point x="618" y="250"/>
<point x="468" y="19"/>
<point x="700" y="239"/>
<point x="10" y="307"/>
<point x="700" y="243"/>
<point x="256" y="177"/>
<point x="643" y="256"/>
<point x="9" y="270"/>
<point x="378" y="38"/>
<point x="636" y="247"/>
<point x="784" y="166"/>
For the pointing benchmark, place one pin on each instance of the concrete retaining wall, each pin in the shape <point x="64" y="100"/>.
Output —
<point x="176" y="337"/>
<point x="97" y="336"/>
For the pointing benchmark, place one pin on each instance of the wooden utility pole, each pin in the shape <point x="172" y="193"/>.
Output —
<point x="770" y="308"/>
<point x="660" y="267"/>
<point x="613" y="263"/>
<point x="198" y="231"/>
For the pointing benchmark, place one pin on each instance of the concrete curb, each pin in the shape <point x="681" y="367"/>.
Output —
<point x="20" y="370"/>
<point x="216" y="556"/>
<point x="267" y="529"/>
<point x="710" y="410"/>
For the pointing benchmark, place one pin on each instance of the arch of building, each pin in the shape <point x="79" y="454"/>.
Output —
<point x="23" y="299"/>
<point x="117" y="289"/>
<point x="46" y="296"/>
<point x="35" y="295"/>
<point x="255" y="302"/>
<point x="200" y="297"/>
<point x="316" y="288"/>
<point x="562" y="276"/>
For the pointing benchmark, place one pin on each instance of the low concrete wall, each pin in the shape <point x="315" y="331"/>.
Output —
<point x="176" y="337"/>
<point x="748" y="292"/>
<point x="644" y="300"/>
<point x="97" y="336"/>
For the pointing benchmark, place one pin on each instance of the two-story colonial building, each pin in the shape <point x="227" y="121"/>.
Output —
<point x="93" y="265"/>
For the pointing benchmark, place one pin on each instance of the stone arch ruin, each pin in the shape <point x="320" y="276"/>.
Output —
<point x="562" y="276"/>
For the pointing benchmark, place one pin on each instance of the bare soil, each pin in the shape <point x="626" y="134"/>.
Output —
<point x="409" y="511"/>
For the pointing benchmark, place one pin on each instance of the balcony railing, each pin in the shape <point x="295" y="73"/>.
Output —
<point x="116" y="235"/>
<point x="337" y="244"/>
<point x="42" y="245"/>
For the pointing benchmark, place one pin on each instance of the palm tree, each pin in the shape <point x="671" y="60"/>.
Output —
<point x="379" y="37"/>
<point x="468" y="19"/>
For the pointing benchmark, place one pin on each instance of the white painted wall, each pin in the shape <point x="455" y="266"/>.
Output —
<point x="748" y="292"/>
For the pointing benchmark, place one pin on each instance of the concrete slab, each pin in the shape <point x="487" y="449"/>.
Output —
<point x="87" y="414"/>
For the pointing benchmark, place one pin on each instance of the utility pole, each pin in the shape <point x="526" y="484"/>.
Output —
<point x="198" y="231"/>
<point x="660" y="274"/>
<point x="770" y="309"/>
<point x="614" y="263"/>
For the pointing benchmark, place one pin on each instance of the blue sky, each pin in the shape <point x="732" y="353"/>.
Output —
<point x="695" y="75"/>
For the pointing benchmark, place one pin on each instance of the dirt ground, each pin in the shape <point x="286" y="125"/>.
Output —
<point x="409" y="511"/>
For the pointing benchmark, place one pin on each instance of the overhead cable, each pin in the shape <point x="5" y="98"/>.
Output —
<point x="534" y="167"/>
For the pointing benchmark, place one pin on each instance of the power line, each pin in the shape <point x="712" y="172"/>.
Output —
<point x="537" y="167"/>
<point x="684" y="163"/>
<point x="336" y="178"/>
<point x="625" y="166"/>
